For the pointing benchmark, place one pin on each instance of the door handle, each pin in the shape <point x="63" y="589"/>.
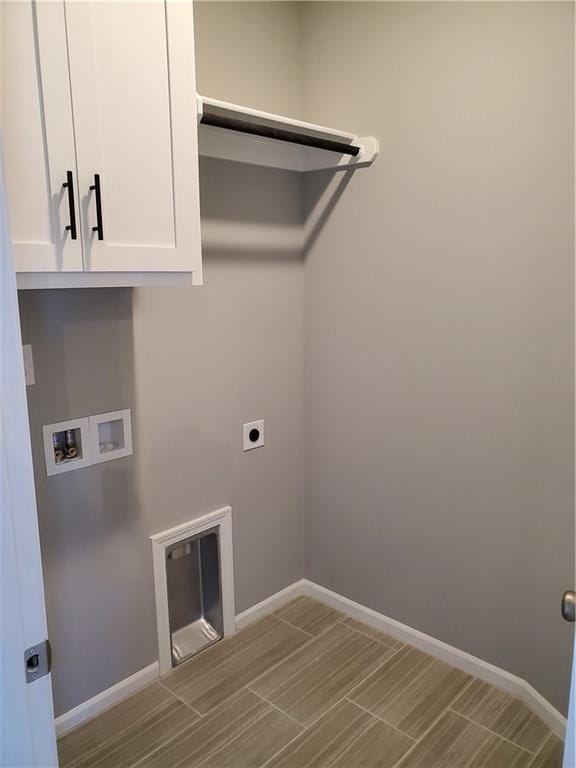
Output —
<point x="97" y="194"/>
<point x="569" y="605"/>
<point x="69" y="185"/>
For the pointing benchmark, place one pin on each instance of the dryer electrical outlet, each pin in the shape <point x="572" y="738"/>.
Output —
<point x="253" y="435"/>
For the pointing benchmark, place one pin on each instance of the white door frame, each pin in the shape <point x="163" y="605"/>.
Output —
<point x="27" y="736"/>
<point x="569" y="760"/>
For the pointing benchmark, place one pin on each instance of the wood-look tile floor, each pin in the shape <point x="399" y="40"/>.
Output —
<point x="307" y="687"/>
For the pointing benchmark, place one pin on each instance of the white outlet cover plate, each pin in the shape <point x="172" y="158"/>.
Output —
<point x="28" y="364"/>
<point x="248" y="443"/>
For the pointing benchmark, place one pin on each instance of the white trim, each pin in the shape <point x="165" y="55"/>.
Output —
<point x="271" y="604"/>
<point x="454" y="656"/>
<point x="247" y="148"/>
<point x="273" y="120"/>
<point x="220" y="518"/>
<point x="457" y="658"/>
<point x="105" y="699"/>
<point x="26" y="280"/>
<point x="84" y="460"/>
<point x="94" y="433"/>
<point x="26" y="711"/>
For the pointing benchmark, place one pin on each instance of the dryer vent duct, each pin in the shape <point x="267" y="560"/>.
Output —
<point x="194" y="594"/>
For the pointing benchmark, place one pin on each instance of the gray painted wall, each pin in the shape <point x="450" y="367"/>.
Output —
<point x="438" y="358"/>
<point x="439" y="325"/>
<point x="95" y="553"/>
<point x="193" y="365"/>
<point x="251" y="53"/>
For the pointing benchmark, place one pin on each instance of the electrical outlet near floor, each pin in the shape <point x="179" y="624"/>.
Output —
<point x="253" y="435"/>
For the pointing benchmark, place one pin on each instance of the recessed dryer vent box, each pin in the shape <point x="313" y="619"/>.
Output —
<point x="110" y="435"/>
<point x="66" y="446"/>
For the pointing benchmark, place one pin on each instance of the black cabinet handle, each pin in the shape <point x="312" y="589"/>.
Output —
<point x="96" y="187"/>
<point x="69" y="185"/>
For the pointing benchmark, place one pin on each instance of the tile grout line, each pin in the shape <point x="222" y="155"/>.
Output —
<point x="107" y="741"/>
<point x="343" y="698"/>
<point x="178" y="672"/>
<point x="165" y="744"/>
<point x="432" y="725"/>
<point x="342" y="620"/>
<point x="310" y="639"/>
<point x="365" y="634"/>
<point x="232" y="651"/>
<point x="306" y="729"/>
<point x="329" y="627"/>
<point x="498" y="735"/>
<point x="237" y="735"/>
<point x="548" y="738"/>
<point x="161" y="745"/>
<point x="247" y="688"/>
<point x="293" y="626"/>
<point x="380" y="642"/>
<point x="315" y="637"/>
<point x="180" y="699"/>
<point x="381" y="719"/>
<point x="362" y="732"/>
<point x="513" y="698"/>
<point x="355" y="685"/>
<point x="372" y="672"/>
<point x="425" y="669"/>
<point x="422" y="737"/>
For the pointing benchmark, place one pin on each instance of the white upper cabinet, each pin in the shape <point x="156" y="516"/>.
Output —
<point x="133" y="90"/>
<point x="39" y="139"/>
<point x="121" y="115"/>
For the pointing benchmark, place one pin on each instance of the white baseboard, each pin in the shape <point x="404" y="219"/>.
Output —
<point x="506" y="681"/>
<point x="454" y="656"/>
<point x="105" y="699"/>
<point x="109" y="697"/>
<point x="272" y="603"/>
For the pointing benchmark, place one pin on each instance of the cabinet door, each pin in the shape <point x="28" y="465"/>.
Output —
<point x="38" y="136"/>
<point x="133" y="92"/>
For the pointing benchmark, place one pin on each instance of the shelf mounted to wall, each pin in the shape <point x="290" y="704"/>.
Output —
<point x="241" y="134"/>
